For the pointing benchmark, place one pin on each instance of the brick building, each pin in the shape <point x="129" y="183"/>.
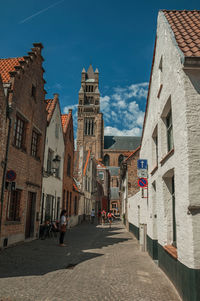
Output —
<point x="128" y="181"/>
<point x="103" y="176"/>
<point x="70" y="201"/>
<point x="3" y="130"/>
<point x="23" y="81"/>
<point x="116" y="150"/>
<point x="52" y="184"/>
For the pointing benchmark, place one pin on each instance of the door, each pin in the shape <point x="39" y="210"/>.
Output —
<point x="30" y="215"/>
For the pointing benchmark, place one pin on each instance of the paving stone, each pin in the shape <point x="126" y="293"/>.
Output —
<point x="106" y="264"/>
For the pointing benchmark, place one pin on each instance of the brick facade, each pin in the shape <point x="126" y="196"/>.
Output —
<point x="3" y="130"/>
<point x="69" y="193"/>
<point x="27" y="98"/>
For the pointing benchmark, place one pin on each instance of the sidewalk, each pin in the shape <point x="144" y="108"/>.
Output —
<point x="98" y="264"/>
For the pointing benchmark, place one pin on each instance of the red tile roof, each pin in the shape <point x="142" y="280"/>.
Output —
<point x="64" y="118"/>
<point x="7" y="65"/>
<point x="132" y="154"/>
<point x="186" y="28"/>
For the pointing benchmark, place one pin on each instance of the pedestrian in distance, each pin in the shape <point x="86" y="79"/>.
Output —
<point x="103" y="216"/>
<point x="110" y="218"/>
<point x="92" y="216"/>
<point x="63" y="224"/>
<point x="99" y="216"/>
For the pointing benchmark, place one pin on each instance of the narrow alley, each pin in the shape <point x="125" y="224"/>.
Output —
<point x="98" y="263"/>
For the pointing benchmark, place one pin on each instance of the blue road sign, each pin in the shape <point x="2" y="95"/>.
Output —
<point x="142" y="164"/>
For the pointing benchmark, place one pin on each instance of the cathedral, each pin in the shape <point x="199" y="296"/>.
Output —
<point x="110" y="150"/>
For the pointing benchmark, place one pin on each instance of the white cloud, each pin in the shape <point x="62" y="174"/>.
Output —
<point x="113" y="131"/>
<point x="137" y="90"/>
<point x="66" y="109"/>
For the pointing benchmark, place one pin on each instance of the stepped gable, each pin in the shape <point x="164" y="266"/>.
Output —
<point x="7" y="66"/>
<point x="121" y="143"/>
<point x="185" y="25"/>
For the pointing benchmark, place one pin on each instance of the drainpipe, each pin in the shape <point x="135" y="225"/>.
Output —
<point x="8" y="113"/>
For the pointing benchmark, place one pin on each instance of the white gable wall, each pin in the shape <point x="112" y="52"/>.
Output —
<point x="52" y="185"/>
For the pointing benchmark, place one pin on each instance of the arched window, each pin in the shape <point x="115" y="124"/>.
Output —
<point x="107" y="160"/>
<point x="120" y="159"/>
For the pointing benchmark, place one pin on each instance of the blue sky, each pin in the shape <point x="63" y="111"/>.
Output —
<point x="115" y="36"/>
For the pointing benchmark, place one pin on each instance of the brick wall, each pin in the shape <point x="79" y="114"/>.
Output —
<point x="28" y="168"/>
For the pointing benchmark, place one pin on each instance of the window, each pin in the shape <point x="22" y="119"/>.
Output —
<point x="170" y="206"/>
<point x="89" y="88"/>
<point x="89" y="126"/>
<point x="57" y="170"/>
<point x="34" y="144"/>
<point x="101" y="175"/>
<point x="69" y="166"/>
<point x="49" y="161"/>
<point x="19" y="134"/>
<point x="33" y="91"/>
<point x="75" y="206"/>
<point x="58" y="208"/>
<point x="120" y="159"/>
<point x="14" y="206"/>
<point x="114" y="205"/>
<point x="169" y="131"/>
<point x="70" y="204"/>
<point x="107" y="160"/>
<point x="155" y="147"/>
<point x="67" y="203"/>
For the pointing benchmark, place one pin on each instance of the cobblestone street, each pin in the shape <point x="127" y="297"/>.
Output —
<point x="107" y="266"/>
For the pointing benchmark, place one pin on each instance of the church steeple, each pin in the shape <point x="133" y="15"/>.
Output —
<point x="90" y="120"/>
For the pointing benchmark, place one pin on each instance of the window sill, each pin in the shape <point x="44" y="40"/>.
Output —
<point x="167" y="156"/>
<point x="7" y="223"/>
<point x="36" y="158"/>
<point x="159" y="92"/>
<point x="171" y="250"/>
<point x="19" y="148"/>
<point x="154" y="170"/>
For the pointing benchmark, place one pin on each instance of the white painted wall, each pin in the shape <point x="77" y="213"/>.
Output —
<point x="52" y="185"/>
<point x="183" y="88"/>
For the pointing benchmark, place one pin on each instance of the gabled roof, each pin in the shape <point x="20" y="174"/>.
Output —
<point x="100" y="164"/>
<point x="65" y="118"/>
<point x="132" y="154"/>
<point x="185" y="25"/>
<point x="7" y="66"/>
<point x="51" y="104"/>
<point x="121" y="142"/>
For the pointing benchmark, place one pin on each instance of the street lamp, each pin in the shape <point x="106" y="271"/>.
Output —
<point x="55" y="164"/>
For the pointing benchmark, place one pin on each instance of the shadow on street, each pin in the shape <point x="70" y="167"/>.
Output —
<point x="43" y="256"/>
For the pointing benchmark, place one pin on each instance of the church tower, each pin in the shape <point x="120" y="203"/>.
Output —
<point x="90" y="132"/>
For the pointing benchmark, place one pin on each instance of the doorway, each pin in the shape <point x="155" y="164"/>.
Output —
<point x="30" y="215"/>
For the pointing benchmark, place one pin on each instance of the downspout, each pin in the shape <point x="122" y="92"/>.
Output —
<point x="8" y="113"/>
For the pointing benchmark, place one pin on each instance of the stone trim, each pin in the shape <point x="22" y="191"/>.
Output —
<point x="154" y="170"/>
<point x="167" y="156"/>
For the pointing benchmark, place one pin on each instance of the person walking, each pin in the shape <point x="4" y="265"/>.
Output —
<point x="110" y="218"/>
<point x="103" y="216"/>
<point x="63" y="224"/>
<point x="92" y="216"/>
